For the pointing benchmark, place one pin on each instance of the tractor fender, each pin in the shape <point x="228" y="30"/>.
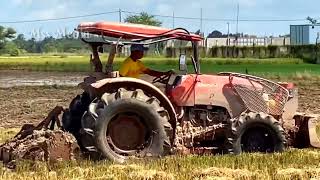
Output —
<point x="110" y="85"/>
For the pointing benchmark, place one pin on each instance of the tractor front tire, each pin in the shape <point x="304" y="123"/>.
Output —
<point x="128" y="123"/>
<point x="256" y="132"/>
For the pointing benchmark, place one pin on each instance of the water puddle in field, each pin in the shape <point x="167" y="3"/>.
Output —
<point x="14" y="78"/>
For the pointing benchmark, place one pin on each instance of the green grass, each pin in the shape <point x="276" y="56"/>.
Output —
<point x="292" y="164"/>
<point x="275" y="67"/>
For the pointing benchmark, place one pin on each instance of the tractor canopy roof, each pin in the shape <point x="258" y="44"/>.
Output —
<point x="135" y="32"/>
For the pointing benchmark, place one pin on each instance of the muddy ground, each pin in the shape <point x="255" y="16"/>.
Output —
<point x="22" y="102"/>
<point x="12" y="78"/>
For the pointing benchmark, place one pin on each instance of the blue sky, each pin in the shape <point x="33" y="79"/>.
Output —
<point x="14" y="10"/>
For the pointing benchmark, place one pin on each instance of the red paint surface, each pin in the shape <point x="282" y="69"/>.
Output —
<point x="183" y="94"/>
<point x="204" y="89"/>
<point x="134" y="31"/>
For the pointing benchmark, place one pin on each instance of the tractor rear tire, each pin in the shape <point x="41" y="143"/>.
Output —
<point x="71" y="118"/>
<point x="256" y="132"/>
<point x="128" y="123"/>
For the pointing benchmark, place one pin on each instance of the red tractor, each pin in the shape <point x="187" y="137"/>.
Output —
<point x="120" y="117"/>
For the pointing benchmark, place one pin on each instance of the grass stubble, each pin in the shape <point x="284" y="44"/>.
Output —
<point x="266" y="67"/>
<point x="291" y="164"/>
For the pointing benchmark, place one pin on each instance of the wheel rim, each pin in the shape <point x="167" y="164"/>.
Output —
<point x="127" y="134"/>
<point x="258" y="139"/>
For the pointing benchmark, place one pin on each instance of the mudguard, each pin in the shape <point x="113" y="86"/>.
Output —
<point x="111" y="84"/>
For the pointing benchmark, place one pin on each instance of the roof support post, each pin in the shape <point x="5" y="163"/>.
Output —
<point x="195" y="47"/>
<point x="94" y="57"/>
<point x="112" y="54"/>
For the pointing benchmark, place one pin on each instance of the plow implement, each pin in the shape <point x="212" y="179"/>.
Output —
<point x="308" y="129"/>
<point x="46" y="141"/>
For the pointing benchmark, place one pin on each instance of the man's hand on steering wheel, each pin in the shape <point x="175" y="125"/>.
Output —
<point x="164" y="78"/>
<point x="171" y="72"/>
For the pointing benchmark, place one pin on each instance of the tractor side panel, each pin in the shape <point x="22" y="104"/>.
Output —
<point x="183" y="94"/>
<point x="216" y="90"/>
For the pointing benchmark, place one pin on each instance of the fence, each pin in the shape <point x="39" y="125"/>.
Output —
<point x="310" y="53"/>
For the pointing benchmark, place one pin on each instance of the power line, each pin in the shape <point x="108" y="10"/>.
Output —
<point x="268" y="20"/>
<point x="56" y="19"/>
<point x="165" y="16"/>
<point x="221" y="19"/>
<point x="156" y="15"/>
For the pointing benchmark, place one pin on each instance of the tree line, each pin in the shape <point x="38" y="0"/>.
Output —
<point x="14" y="44"/>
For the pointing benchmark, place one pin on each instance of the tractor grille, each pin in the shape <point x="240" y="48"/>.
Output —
<point x="252" y="99"/>
<point x="270" y="100"/>
<point x="260" y="95"/>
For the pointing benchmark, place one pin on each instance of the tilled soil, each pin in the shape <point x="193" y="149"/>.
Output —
<point x="20" y="105"/>
<point x="309" y="97"/>
<point x="13" y="78"/>
<point x="30" y="104"/>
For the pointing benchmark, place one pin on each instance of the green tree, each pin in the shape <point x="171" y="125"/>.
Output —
<point x="20" y="41"/>
<point x="48" y="44"/>
<point x="5" y="35"/>
<point x="143" y="18"/>
<point x="32" y="46"/>
<point x="49" y="47"/>
<point x="11" y="48"/>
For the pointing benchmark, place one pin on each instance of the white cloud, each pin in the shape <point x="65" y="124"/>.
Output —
<point x="47" y="13"/>
<point x="22" y="2"/>
<point x="141" y="2"/>
<point x="195" y="5"/>
<point x="110" y="5"/>
<point x="248" y="3"/>
<point x="164" y="9"/>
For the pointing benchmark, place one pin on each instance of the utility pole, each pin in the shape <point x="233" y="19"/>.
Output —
<point x="237" y="27"/>
<point x="200" y="20"/>
<point x="237" y="18"/>
<point x="228" y="34"/>
<point x="120" y="15"/>
<point x="172" y="19"/>
<point x="227" y="47"/>
<point x="317" y="56"/>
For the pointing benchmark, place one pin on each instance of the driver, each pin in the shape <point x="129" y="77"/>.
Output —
<point x="133" y="67"/>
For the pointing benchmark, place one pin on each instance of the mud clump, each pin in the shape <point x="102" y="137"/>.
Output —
<point x="42" y="145"/>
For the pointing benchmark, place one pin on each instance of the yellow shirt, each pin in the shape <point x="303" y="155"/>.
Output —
<point x="131" y="68"/>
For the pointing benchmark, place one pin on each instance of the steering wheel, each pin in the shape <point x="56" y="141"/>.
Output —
<point x="164" y="79"/>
